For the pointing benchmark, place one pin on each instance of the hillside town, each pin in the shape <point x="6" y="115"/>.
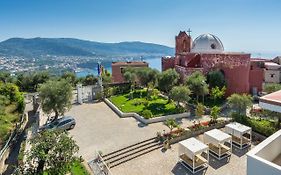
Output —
<point x="117" y="103"/>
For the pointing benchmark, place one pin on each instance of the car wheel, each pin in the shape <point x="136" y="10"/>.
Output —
<point x="72" y="126"/>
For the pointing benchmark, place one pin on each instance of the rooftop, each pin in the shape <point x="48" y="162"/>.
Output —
<point x="272" y="99"/>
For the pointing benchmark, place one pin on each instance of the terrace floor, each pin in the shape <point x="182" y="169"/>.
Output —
<point x="161" y="162"/>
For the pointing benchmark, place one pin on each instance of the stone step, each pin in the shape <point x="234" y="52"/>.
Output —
<point x="128" y="147"/>
<point x="126" y="154"/>
<point x="133" y="156"/>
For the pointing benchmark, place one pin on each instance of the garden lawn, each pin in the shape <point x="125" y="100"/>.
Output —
<point x="77" y="169"/>
<point x="157" y="105"/>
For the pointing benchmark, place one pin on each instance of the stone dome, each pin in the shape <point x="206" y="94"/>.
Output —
<point x="207" y="43"/>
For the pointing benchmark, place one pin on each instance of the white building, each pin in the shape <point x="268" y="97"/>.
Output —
<point x="265" y="158"/>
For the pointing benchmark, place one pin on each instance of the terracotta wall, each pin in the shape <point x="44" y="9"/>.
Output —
<point x="117" y="76"/>
<point x="168" y="63"/>
<point x="236" y="68"/>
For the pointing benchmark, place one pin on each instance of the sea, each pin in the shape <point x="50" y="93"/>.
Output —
<point x="92" y="68"/>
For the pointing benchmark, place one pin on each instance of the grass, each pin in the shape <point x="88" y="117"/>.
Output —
<point x="8" y="118"/>
<point x="77" y="169"/>
<point x="157" y="105"/>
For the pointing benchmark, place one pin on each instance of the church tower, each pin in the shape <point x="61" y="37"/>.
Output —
<point x="183" y="43"/>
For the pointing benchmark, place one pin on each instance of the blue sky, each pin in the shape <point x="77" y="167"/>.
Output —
<point x="242" y="25"/>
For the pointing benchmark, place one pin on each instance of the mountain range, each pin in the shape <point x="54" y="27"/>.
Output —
<point x="36" y="47"/>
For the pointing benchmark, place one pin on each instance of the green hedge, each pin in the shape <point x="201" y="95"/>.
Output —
<point x="262" y="126"/>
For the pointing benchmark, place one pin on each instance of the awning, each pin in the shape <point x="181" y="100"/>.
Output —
<point x="192" y="147"/>
<point x="216" y="137"/>
<point x="237" y="129"/>
<point x="271" y="101"/>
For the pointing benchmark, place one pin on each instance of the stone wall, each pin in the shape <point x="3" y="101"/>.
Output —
<point x="168" y="63"/>
<point x="141" y="119"/>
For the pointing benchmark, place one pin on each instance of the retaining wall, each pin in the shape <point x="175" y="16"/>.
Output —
<point x="142" y="119"/>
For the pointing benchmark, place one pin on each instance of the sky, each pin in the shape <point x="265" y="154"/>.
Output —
<point x="242" y="25"/>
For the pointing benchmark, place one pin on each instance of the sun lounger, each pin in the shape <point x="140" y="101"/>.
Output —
<point x="198" y="162"/>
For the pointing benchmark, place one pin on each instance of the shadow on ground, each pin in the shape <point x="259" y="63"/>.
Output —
<point x="179" y="169"/>
<point x="216" y="164"/>
<point x="240" y="152"/>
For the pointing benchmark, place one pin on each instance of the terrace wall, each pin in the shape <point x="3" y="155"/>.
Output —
<point x="140" y="118"/>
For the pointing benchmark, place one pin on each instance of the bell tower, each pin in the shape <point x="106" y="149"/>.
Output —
<point x="183" y="42"/>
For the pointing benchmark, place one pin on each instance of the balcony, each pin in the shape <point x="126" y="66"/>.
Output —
<point x="265" y="158"/>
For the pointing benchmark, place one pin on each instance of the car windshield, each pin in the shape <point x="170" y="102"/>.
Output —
<point x="53" y="124"/>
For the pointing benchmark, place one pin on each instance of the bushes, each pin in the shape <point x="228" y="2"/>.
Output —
<point x="262" y="126"/>
<point x="147" y="114"/>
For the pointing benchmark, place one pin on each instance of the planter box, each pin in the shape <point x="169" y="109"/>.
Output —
<point x="195" y="133"/>
<point x="142" y="119"/>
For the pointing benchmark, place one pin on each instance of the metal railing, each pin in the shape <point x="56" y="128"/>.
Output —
<point x="99" y="166"/>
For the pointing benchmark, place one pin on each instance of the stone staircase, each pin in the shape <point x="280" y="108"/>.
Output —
<point x="128" y="153"/>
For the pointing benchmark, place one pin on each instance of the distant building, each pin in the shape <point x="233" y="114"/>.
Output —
<point x="117" y="69"/>
<point x="206" y="53"/>
<point x="272" y="72"/>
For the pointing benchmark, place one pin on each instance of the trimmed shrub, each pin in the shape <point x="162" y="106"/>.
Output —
<point x="147" y="114"/>
<point x="262" y="126"/>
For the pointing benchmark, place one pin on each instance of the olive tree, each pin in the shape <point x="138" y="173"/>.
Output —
<point x="53" y="152"/>
<point x="180" y="94"/>
<point x="197" y="84"/>
<point x="239" y="103"/>
<point x="216" y="78"/>
<point x="167" y="80"/>
<point x="55" y="96"/>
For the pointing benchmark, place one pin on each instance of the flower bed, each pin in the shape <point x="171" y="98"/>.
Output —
<point x="193" y="131"/>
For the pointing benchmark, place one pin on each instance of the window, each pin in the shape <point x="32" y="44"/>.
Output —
<point x="64" y="122"/>
<point x="271" y="75"/>
<point x="213" y="46"/>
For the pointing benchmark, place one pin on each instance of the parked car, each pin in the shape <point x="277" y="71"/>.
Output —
<point x="64" y="123"/>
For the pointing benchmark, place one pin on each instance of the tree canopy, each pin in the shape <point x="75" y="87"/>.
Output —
<point x="55" y="97"/>
<point x="180" y="94"/>
<point x="217" y="93"/>
<point x="52" y="152"/>
<point x="239" y="102"/>
<point x="171" y="124"/>
<point x="216" y="79"/>
<point x="197" y="84"/>
<point x="167" y="80"/>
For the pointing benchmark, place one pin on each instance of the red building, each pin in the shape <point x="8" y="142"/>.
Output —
<point x="117" y="69"/>
<point x="206" y="53"/>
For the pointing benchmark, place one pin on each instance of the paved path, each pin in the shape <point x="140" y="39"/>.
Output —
<point x="160" y="163"/>
<point x="98" y="128"/>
